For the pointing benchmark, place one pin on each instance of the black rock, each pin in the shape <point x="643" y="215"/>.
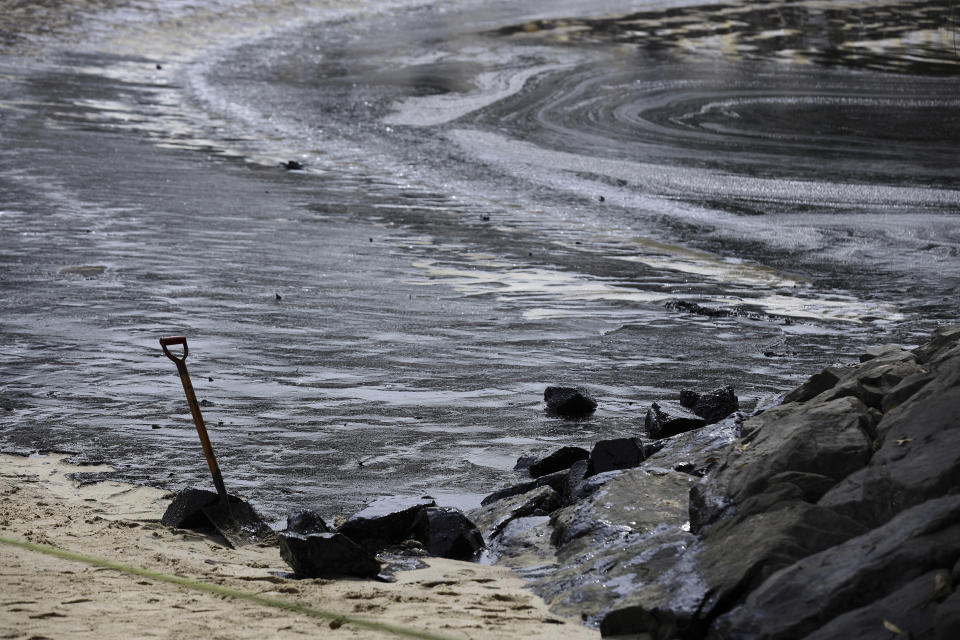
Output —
<point x="524" y="462"/>
<point x="186" y="510"/>
<point x="447" y="533"/>
<point x="569" y="402"/>
<point x="618" y="453"/>
<point x="558" y="461"/>
<point x="577" y="473"/>
<point x="807" y="595"/>
<point x="326" y="554"/>
<point x="306" y="522"/>
<point x="715" y="405"/>
<point x="292" y="165"/>
<point x="665" y="419"/>
<point x="556" y="481"/>
<point x="688" y="398"/>
<point x="384" y="524"/>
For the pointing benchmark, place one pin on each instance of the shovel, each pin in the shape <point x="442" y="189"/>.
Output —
<point x="232" y="517"/>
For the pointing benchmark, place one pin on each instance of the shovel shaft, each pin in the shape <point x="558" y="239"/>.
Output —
<point x="195" y="412"/>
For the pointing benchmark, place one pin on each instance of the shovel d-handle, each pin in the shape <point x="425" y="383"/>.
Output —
<point x="181" y="363"/>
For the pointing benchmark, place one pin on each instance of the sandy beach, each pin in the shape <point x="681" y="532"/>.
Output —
<point x="49" y="597"/>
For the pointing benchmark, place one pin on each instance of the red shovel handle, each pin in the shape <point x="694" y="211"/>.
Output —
<point x="172" y="340"/>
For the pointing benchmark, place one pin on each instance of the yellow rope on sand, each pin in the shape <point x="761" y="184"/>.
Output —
<point x="219" y="590"/>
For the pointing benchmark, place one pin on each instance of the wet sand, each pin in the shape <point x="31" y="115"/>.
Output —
<point x="55" y="598"/>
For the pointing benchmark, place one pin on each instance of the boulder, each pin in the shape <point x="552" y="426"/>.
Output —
<point x="524" y="546"/>
<point x="918" y="456"/>
<point x="813" y="591"/>
<point x="306" y="522"/>
<point x="869" y="381"/>
<point x="946" y="620"/>
<point x="569" y="402"/>
<point x="556" y="481"/>
<point x="385" y="523"/>
<point x="491" y="519"/>
<point x="576" y="475"/>
<point x="318" y="555"/>
<point x="446" y="532"/>
<point x="828" y="439"/>
<point x="714" y="574"/>
<point x="620" y="537"/>
<point x="618" y="453"/>
<point x="637" y="499"/>
<point x="558" y="461"/>
<point x="665" y="419"/>
<point x="712" y="406"/>
<point x="186" y="509"/>
<point x="524" y="462"/>
<point x="907" y="609"/>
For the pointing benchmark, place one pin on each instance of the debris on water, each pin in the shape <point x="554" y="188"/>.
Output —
<point x="87" y="271"/>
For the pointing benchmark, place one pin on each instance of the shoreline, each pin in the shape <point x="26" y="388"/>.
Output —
<point x="47" y="596"/>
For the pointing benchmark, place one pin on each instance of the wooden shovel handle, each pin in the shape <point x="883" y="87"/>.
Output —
<point x="171" y="340"/>
<point x="195" y="412"/>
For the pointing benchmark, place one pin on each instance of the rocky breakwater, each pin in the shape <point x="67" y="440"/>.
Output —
<point x="832" y="514"/>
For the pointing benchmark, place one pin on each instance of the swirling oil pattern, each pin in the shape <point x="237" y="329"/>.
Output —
<point x="638" y="196"/>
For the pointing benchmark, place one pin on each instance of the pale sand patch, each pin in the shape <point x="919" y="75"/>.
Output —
<point x="43" y="596"/>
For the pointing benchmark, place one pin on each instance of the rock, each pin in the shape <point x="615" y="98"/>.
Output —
<point x="817" y="589"/>
<point x="665" y="419"/>
<point x="306" y="522"/>
<point x="623" y="535"/>
<point x="447" y="533"/>
<point x="918" y="457"/>
<point x="716" y="405"/>
<point x="636" y="499"/>
<point x="702" y="448"/>
<point x="618" y="453"/>
<point x="292" y="165"/>
<point x="491" y="519"/>
<point x="946" y="621"/>
<point x="815" y="385"/>
<point x="945" y="339"/>
<point x="186" y="509"/>
<point x="557" y="461"/>
<point x="524" y="462"/>
<point x="908" y="608"/>
<point x="880" y="351"/>
<point x="688" y="398"/>
<point x="320" y="555"/>
<point x="869" y="381"/>
<point x="385" y="523"/>
<point x="812" y="485"/>
<point x="569" y="402"/>
<point x="577" y="473"/>
<point x="557" y="481"/>
<point x="524" y="546"/>
<point x="828" y="439"/>
<point x="737" y="556"/>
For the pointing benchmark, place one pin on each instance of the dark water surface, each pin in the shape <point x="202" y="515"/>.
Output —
<point x="494" y="199"/>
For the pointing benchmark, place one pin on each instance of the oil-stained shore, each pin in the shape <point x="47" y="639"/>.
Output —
<point x="358" y="331"/>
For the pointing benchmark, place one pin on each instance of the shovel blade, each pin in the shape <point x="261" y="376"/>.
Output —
<point x="239" y="523"/>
